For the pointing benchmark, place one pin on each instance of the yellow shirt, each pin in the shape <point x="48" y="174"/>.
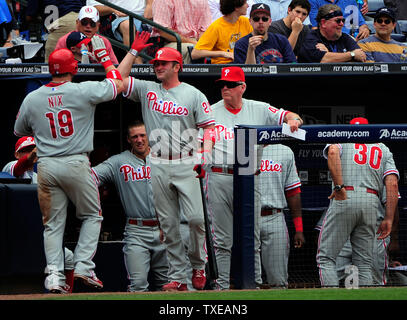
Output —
<point x="222" y="35"/>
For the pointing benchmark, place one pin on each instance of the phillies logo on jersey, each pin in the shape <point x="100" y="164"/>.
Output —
<point x="226" y="133"/>
<point x="270" y="166"/>
<point x="165" y="107"/>
<point x="139" y="174"/>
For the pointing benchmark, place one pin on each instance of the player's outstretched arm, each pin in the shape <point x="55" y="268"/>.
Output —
<point x="139" y="44"/>
<point x="103" y="57"/>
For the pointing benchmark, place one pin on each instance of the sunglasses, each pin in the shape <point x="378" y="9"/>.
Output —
<point x="340" y="20"/>
<point x="85" y="22"/>
<point x="229" y="84"/>
<point x="380" y="21"/>
<point x="257" y="19"/>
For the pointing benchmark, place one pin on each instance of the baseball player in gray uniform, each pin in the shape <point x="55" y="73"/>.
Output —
<point x="279" y="186"/>
<point x="26" y="155"/>
<point x="380" y="251"/>
<point x="359" y="173"/>
<point x="131" y="174"/>
<point x="232" y="110"/>
<point x="173" y="111"/>
<point x="60" y="116"/>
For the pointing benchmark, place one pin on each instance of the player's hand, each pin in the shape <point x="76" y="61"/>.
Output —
<point x="294" y="124"/>
<point x="33" y="155"/>
<point x="161" y="236"/>
<point x="140" y="41"/>
<point x="384" y="229"/>
<point x="299" y="239"/>
<point x="338" y="195"/>
<point x="99" y="50"/>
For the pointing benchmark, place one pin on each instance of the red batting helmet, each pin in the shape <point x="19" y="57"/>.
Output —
<point x="62" y="61"/>
<point x="168" y="54"/>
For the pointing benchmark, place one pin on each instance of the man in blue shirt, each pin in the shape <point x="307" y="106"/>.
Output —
<point x="328" y="44"/>
<point x="354" y="21"/>
<point x="261" y="46"/>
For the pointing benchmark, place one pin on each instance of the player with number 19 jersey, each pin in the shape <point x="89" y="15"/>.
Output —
<point x="62" y="116"/>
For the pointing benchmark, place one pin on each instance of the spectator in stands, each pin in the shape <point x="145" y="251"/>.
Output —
<point x="292" y="25"/>
<point x="380" y="47"/>
<point x="88" y="23"/>
<point x="261" y="46"/>
<point x="121" y="24"/>
<point x="26" y="155"/>
<point x="8" y="24"/>
<point x="328" y="44"/>
<point x="67" y="11"/>
<point x="218" y="41"/>
<point x="76" y="41"/>
<point x="279" y="9"/>
<point x="214" y="6"/>
<point x="399" y="7"/>
<point x="354" y="21"/>
<point x="188" y="18"/>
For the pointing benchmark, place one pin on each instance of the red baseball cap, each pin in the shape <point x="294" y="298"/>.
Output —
<point x="359" y="120"/>
<point x="24" y="142"/>
<point x="233" y="74"/>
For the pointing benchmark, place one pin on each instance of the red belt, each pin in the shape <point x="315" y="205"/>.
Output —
<point x="269" y="212"/>
<point x="368" y="190"/>
<point x="222" y="170"/>
<point x="144" y="223"/>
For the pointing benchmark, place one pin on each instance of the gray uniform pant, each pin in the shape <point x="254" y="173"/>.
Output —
<point x="220" y="205"/>
<point x="61" y="179"/>
<point x="275" y="249"/>
<point x="143" y="252"/>
<point x="355" y="218"/>
<point x="380" y="260"/>
<point x="175" y="186"/>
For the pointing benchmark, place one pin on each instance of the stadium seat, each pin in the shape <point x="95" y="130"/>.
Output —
<point x="374" y="5"/>
<point x="403" y="26"/>
<point x="399" y="37"/>
<point x="370" y="25"/>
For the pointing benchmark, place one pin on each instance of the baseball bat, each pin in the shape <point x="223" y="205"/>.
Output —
<point x="212" y="265"/>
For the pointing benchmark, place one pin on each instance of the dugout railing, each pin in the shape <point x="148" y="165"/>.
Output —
<point x="302" y="265"/>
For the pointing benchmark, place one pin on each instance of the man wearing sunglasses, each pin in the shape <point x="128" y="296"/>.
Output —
<point x="328" y="44"/>
<point x="354" y="20"/>
<point x="261" y="46"/>
<point x="88" y="23"/>
<point x="380" y="47"/>
<point x="233" y="109"/>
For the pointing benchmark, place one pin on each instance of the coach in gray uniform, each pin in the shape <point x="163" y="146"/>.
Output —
<point x="131" y="174"/>
<point x="60" y="116"/>
<point x="359" y="173"/>
<point x="232" y="110"/>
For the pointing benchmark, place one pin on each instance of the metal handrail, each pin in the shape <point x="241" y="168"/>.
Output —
<point x="145" y="20"/>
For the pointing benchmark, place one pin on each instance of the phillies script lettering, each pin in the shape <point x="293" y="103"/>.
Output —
<point x="228" y="134"/>
<point x="269" y="166"/>
<point x="165" y="107"/>
<point x="141" y="173"/>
